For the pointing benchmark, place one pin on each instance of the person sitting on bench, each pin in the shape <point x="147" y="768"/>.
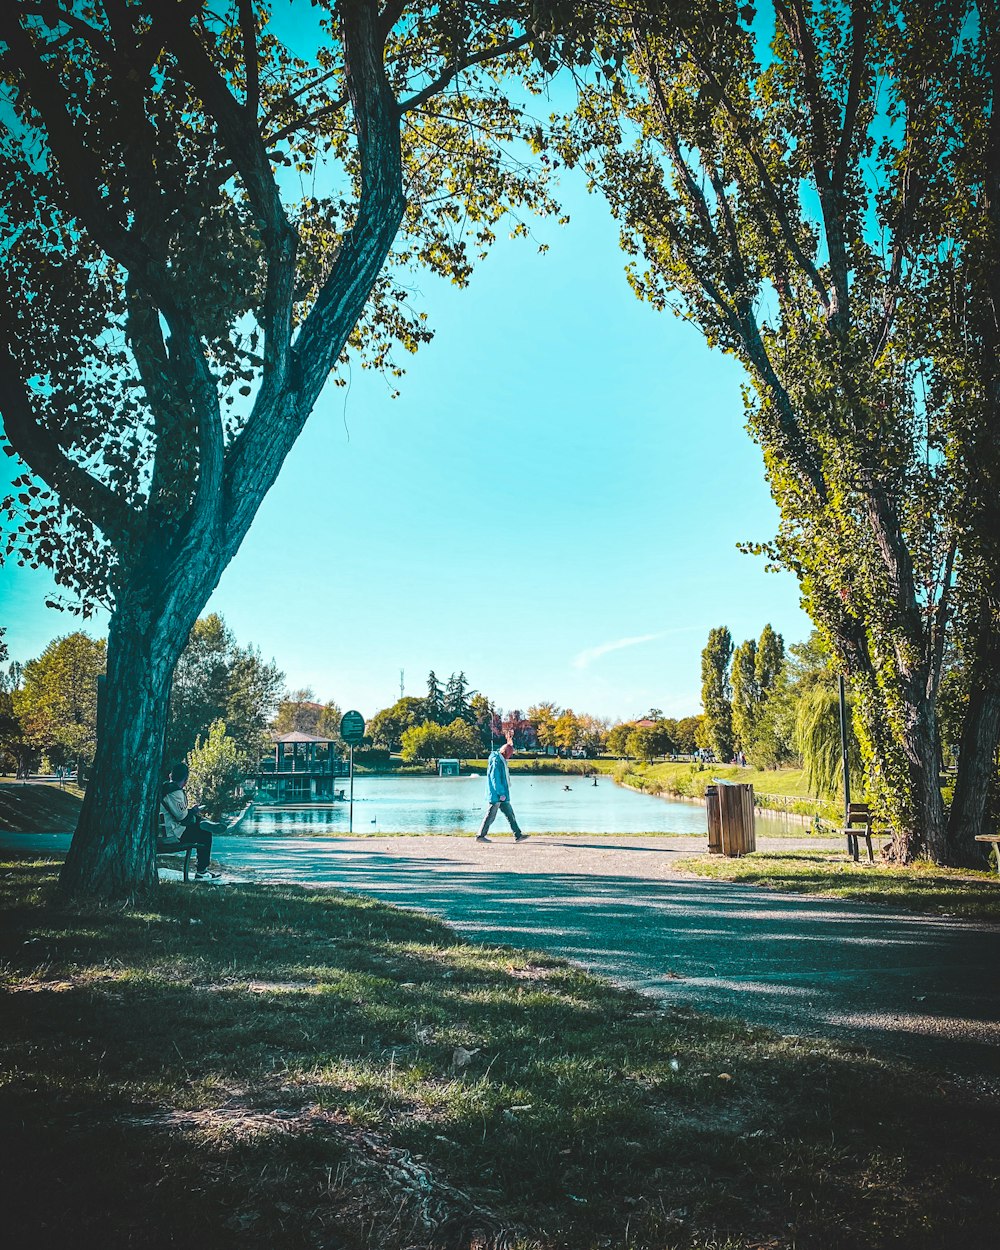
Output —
<point x="185" y="824"/>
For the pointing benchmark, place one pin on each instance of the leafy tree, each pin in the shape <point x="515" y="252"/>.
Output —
<point x="716" y="692"/>
<point x="647" y="742"/>
<point x="430" y="741"/>
<point x="57" y="704"/>
<point x="543" y="717"/>
<point x="387" y="727"/>
<point x="686" y="735"/>
<point x="456" y="698"/>
<point x="252" y="697"/>
<point x="593" y="734"/>
<point x="618" y="738"/>
<point x="770" y="660"/>
<point x="567" y="731"/>
<point x="434" y="701"/>
<point x="200" y="687"/>
<point x="518" y="729"/>
<point x="755" y="668"/>
<point x="746" y="698"/>
<point x="15" y="747"/>
<point x="217" y="679"/>
<point x="302" y="714"/>
<point x="817" y="731"/>
<point x="217" y="772"/>
<point x="173" y="304"/>
<point x="820" y="200"/>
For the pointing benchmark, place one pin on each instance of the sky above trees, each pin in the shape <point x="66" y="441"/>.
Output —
<point x="552" y="504"/>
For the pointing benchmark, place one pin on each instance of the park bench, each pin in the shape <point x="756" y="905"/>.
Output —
<point x="171" y="846"/>
<point x="859" y="824"/>
<point x="995" y="839"/>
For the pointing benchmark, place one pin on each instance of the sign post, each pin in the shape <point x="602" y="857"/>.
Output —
<point x="352" y="730"/>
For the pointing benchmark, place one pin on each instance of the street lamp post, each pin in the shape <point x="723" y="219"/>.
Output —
<point x="843" y="747"/>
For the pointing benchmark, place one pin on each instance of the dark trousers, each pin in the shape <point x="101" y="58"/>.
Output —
<point x="197" y="835"/>
<point x="491" y="815"/>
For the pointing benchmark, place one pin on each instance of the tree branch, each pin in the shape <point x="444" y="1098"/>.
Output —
<point x="78" y="164"/>
<point x="439" y="83"/>
<point x="859" y="49"/>
<point x="261" y="447"/>
<point x="248" y="27"/>
<point x="39" y="450"/>
<point x="771" y="195"/>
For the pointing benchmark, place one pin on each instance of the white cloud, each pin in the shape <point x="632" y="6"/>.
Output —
<point x="588" y="656"/>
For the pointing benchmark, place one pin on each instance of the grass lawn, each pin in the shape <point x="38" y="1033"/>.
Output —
<point x="38" y="807"/>
<point x="922" y="886"/>
<point x="780" y="788"/>
<point x="258" y="1066"/>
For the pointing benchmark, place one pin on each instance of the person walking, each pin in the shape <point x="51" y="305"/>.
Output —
<point x="498" y="794"/>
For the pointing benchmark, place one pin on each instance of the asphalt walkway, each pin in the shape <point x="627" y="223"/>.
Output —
<point x="922" y="987"/>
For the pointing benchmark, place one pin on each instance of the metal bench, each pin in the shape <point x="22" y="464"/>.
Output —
<point x="859" y="824"/>
<point x="167" y="846"/>
<point x="171" y="846"/>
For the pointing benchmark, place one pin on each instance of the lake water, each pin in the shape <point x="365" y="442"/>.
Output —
<point x="456" y="805"/>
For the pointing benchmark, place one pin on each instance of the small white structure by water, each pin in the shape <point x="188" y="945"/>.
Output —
<point x="448" y="768"/>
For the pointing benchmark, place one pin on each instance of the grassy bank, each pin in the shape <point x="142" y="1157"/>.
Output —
<point x="260" y="1065"/>
<point x="921" y="887"/>
<point x="543" y="765"/>
<point x="38" y="807"/>
<point x="781" y="789"/>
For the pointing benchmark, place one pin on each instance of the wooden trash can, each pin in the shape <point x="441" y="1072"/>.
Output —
<point x="737" y="818"/>
<point x="714" y="820"/>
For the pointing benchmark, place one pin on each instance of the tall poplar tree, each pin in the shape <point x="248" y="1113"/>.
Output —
<point x="817" y="187"/>
<point x="746" y="693"/>
<point x="716" y="692"/>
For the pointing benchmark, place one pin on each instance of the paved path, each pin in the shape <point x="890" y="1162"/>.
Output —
<point x="923" y="987"/>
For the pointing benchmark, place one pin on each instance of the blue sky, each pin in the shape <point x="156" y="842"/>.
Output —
<point x="552" y="504"/>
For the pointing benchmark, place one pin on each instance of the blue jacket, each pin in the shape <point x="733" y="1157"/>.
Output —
<point x="497" y="778"/>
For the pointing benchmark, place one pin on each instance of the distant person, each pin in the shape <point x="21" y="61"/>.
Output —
<point x="186" y="824"/>
<point x="498" y="794"/>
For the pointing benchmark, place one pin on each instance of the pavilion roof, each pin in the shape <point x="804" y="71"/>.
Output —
<point x="297" y="736"/>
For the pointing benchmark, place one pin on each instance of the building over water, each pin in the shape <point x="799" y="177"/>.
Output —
<point x="303" y="768"/>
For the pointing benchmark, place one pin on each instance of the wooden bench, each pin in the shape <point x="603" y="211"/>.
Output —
<point x="859" y="823"/>
<point x="995" y="839"/>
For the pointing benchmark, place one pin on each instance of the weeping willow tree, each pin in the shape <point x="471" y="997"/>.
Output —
<point x="817" y="736"/>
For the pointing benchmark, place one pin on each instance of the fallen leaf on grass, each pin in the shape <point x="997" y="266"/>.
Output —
<point x="461" y="1058"/>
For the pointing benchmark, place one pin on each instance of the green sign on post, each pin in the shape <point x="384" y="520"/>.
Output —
<point x="352" y="730"/>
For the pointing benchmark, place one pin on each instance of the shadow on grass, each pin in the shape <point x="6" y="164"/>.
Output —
<point x="920" y="887"/>
<point x="265" y="1065"/>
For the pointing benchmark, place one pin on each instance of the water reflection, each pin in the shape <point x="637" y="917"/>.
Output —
<point x="455" y="805"/>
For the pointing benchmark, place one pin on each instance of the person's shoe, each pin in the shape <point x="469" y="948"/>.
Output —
<point x="481" y="837"/>
<point x="207" y="875"/>
<point x="521" y="837"/>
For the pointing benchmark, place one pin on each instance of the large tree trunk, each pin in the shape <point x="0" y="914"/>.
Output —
<point x="927" y="833"/>
<point x="112" y="855"/>
<point x="977" y="760"/>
